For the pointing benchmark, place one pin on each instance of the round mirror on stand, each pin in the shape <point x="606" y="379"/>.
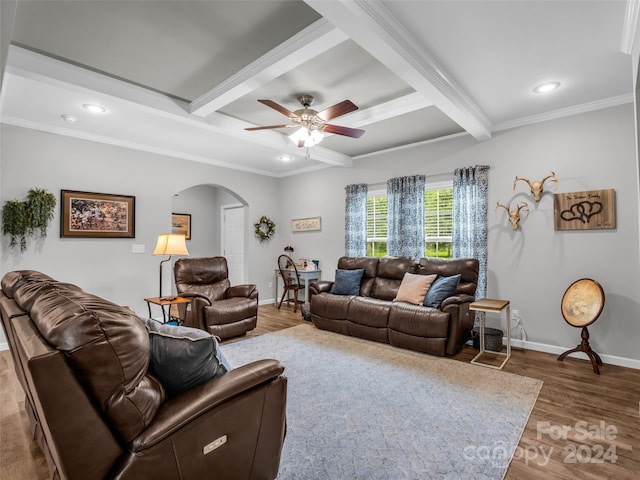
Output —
<point x="582" y="304"/>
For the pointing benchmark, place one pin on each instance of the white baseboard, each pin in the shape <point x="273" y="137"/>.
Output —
<point x="4" y="346"/>
<point x="543" y="347"/>
<point x="268" y="301"/>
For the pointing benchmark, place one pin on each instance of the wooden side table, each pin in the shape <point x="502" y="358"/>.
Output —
<point x="492" y="306"/>
<point x="163" y="302"/>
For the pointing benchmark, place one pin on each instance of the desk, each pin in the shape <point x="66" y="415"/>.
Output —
<point x="306" y="276"/>
<point x="504" y="308"/>
<point x="163" y="302"/>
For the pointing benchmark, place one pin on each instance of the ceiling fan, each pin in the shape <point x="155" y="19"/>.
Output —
<point x="313" y="123"/>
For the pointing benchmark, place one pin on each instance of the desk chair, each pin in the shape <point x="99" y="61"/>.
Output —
<point x="290" y="280"/>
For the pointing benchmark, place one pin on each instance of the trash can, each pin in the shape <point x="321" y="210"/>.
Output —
<point x="492" y="339"/>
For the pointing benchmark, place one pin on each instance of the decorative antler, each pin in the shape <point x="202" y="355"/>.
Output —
<point x="537" y="187"/>
<point x="514" y="215"/>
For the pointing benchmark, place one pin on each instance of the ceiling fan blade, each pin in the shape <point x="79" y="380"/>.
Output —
<point x="279" y="108"/>
<point x="346" y="131"/>
<point x="289" y="125"/>
<point x="337" y="110"/>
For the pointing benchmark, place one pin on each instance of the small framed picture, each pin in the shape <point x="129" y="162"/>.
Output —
<point x="97" y="215"/>
<point x="181" y="224"/>
<point x="305" y="224"/>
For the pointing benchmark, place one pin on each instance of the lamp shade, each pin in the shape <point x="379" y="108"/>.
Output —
<point x="171" y="244"/>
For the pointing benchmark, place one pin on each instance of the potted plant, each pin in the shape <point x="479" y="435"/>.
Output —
<point x="21" y="219"/>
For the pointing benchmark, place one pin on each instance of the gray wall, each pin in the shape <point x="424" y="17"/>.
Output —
<point x="201" y="203"/>
<point x="533" y="266"/>
<point x="107" y="267"/>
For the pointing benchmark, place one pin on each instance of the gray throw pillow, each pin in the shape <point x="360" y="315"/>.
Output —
<point x="347" y="282"/>
<point x="183" y="357"/>
<point x="442" y="288"/>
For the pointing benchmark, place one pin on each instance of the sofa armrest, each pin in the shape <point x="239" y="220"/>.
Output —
<point x="461" y="321"/>
<point x="198" y="401"/>
<point x="194" y="316"/>
<point x="246" y="290"/>
<point x="320" y="286"/>
<point x="457" y="300"/>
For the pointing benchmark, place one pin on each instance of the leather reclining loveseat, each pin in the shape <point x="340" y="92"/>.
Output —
<point x="372" y="314"/>
<point x="97" y="412"/>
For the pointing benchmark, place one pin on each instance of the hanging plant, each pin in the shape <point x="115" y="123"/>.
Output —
<point x="265" y="228"/>
<point x="40" y="205"/>
<point x="14" y="223"/>
<point x="21" y="219"/>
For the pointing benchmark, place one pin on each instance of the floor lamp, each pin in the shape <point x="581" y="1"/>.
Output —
<point x="169" y="244"/>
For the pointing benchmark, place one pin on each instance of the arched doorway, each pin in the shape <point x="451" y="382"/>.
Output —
<point x="218" y="225"/>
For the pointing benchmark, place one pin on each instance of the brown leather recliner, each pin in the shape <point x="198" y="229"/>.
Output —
<point x="221" y="309"/>
<point x="98" y="413"/>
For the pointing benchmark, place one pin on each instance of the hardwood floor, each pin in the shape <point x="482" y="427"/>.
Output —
<point x="583" y="426"/>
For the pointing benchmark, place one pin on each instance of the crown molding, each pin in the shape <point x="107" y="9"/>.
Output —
<point x="565" y="112"/>
<point x="43" y="127"/>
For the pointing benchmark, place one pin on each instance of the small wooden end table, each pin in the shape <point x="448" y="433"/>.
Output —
<point x="163" y="302"/>
<point x="492" y="306"/>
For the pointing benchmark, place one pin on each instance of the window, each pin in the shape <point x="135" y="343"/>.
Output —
<point x="377" y="224"/>
<point x="438" y="211"/>
<point x="438" y="220"/>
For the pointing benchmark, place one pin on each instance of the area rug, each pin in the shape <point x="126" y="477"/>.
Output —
<point x="361" y="410"/>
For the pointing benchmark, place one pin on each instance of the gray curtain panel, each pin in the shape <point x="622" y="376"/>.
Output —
<point x="405" y="216"/>
<point x="470" y="205"/>
<point x="355" y="228"/>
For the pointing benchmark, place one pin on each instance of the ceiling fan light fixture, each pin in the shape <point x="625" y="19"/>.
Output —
<point x="547" y="87"/>
<point x="307" y="137"/>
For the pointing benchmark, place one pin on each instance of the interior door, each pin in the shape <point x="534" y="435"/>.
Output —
<point x="233" y="241"/>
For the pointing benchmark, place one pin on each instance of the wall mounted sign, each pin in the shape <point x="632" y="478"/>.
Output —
<point x="305" y="224"/>
<point x="590" y="210"/>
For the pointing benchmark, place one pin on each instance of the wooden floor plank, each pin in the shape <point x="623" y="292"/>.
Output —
<point x="571" y="393"/>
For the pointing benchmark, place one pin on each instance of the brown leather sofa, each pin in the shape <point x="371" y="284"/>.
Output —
<point x="375" y="316"/>
<point x="217" y="307"/>
<point x="96" y="411"/>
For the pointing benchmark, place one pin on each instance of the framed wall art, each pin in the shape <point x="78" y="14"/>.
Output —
<point x="98" y="215"/>
<point x="305" y="224"/>
<point x="590" y="210"/>
<point x="181" y="224"/>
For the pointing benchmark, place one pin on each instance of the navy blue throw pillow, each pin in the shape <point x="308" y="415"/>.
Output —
<point x="347" y="282"/>
<point x="183" y="357"/>
<point x="442" y="288"/>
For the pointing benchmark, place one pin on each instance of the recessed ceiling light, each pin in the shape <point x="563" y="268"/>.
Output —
<point x="93" y="108"/>
<point x="546" y="87"/>
<point x="68" y="118"/>
<point x="285" y="158"/>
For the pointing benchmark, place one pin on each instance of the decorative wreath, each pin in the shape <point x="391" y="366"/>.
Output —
<point x="265" y="228"/>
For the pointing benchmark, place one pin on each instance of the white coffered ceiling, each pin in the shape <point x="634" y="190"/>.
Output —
<point x="182" y="78"/>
